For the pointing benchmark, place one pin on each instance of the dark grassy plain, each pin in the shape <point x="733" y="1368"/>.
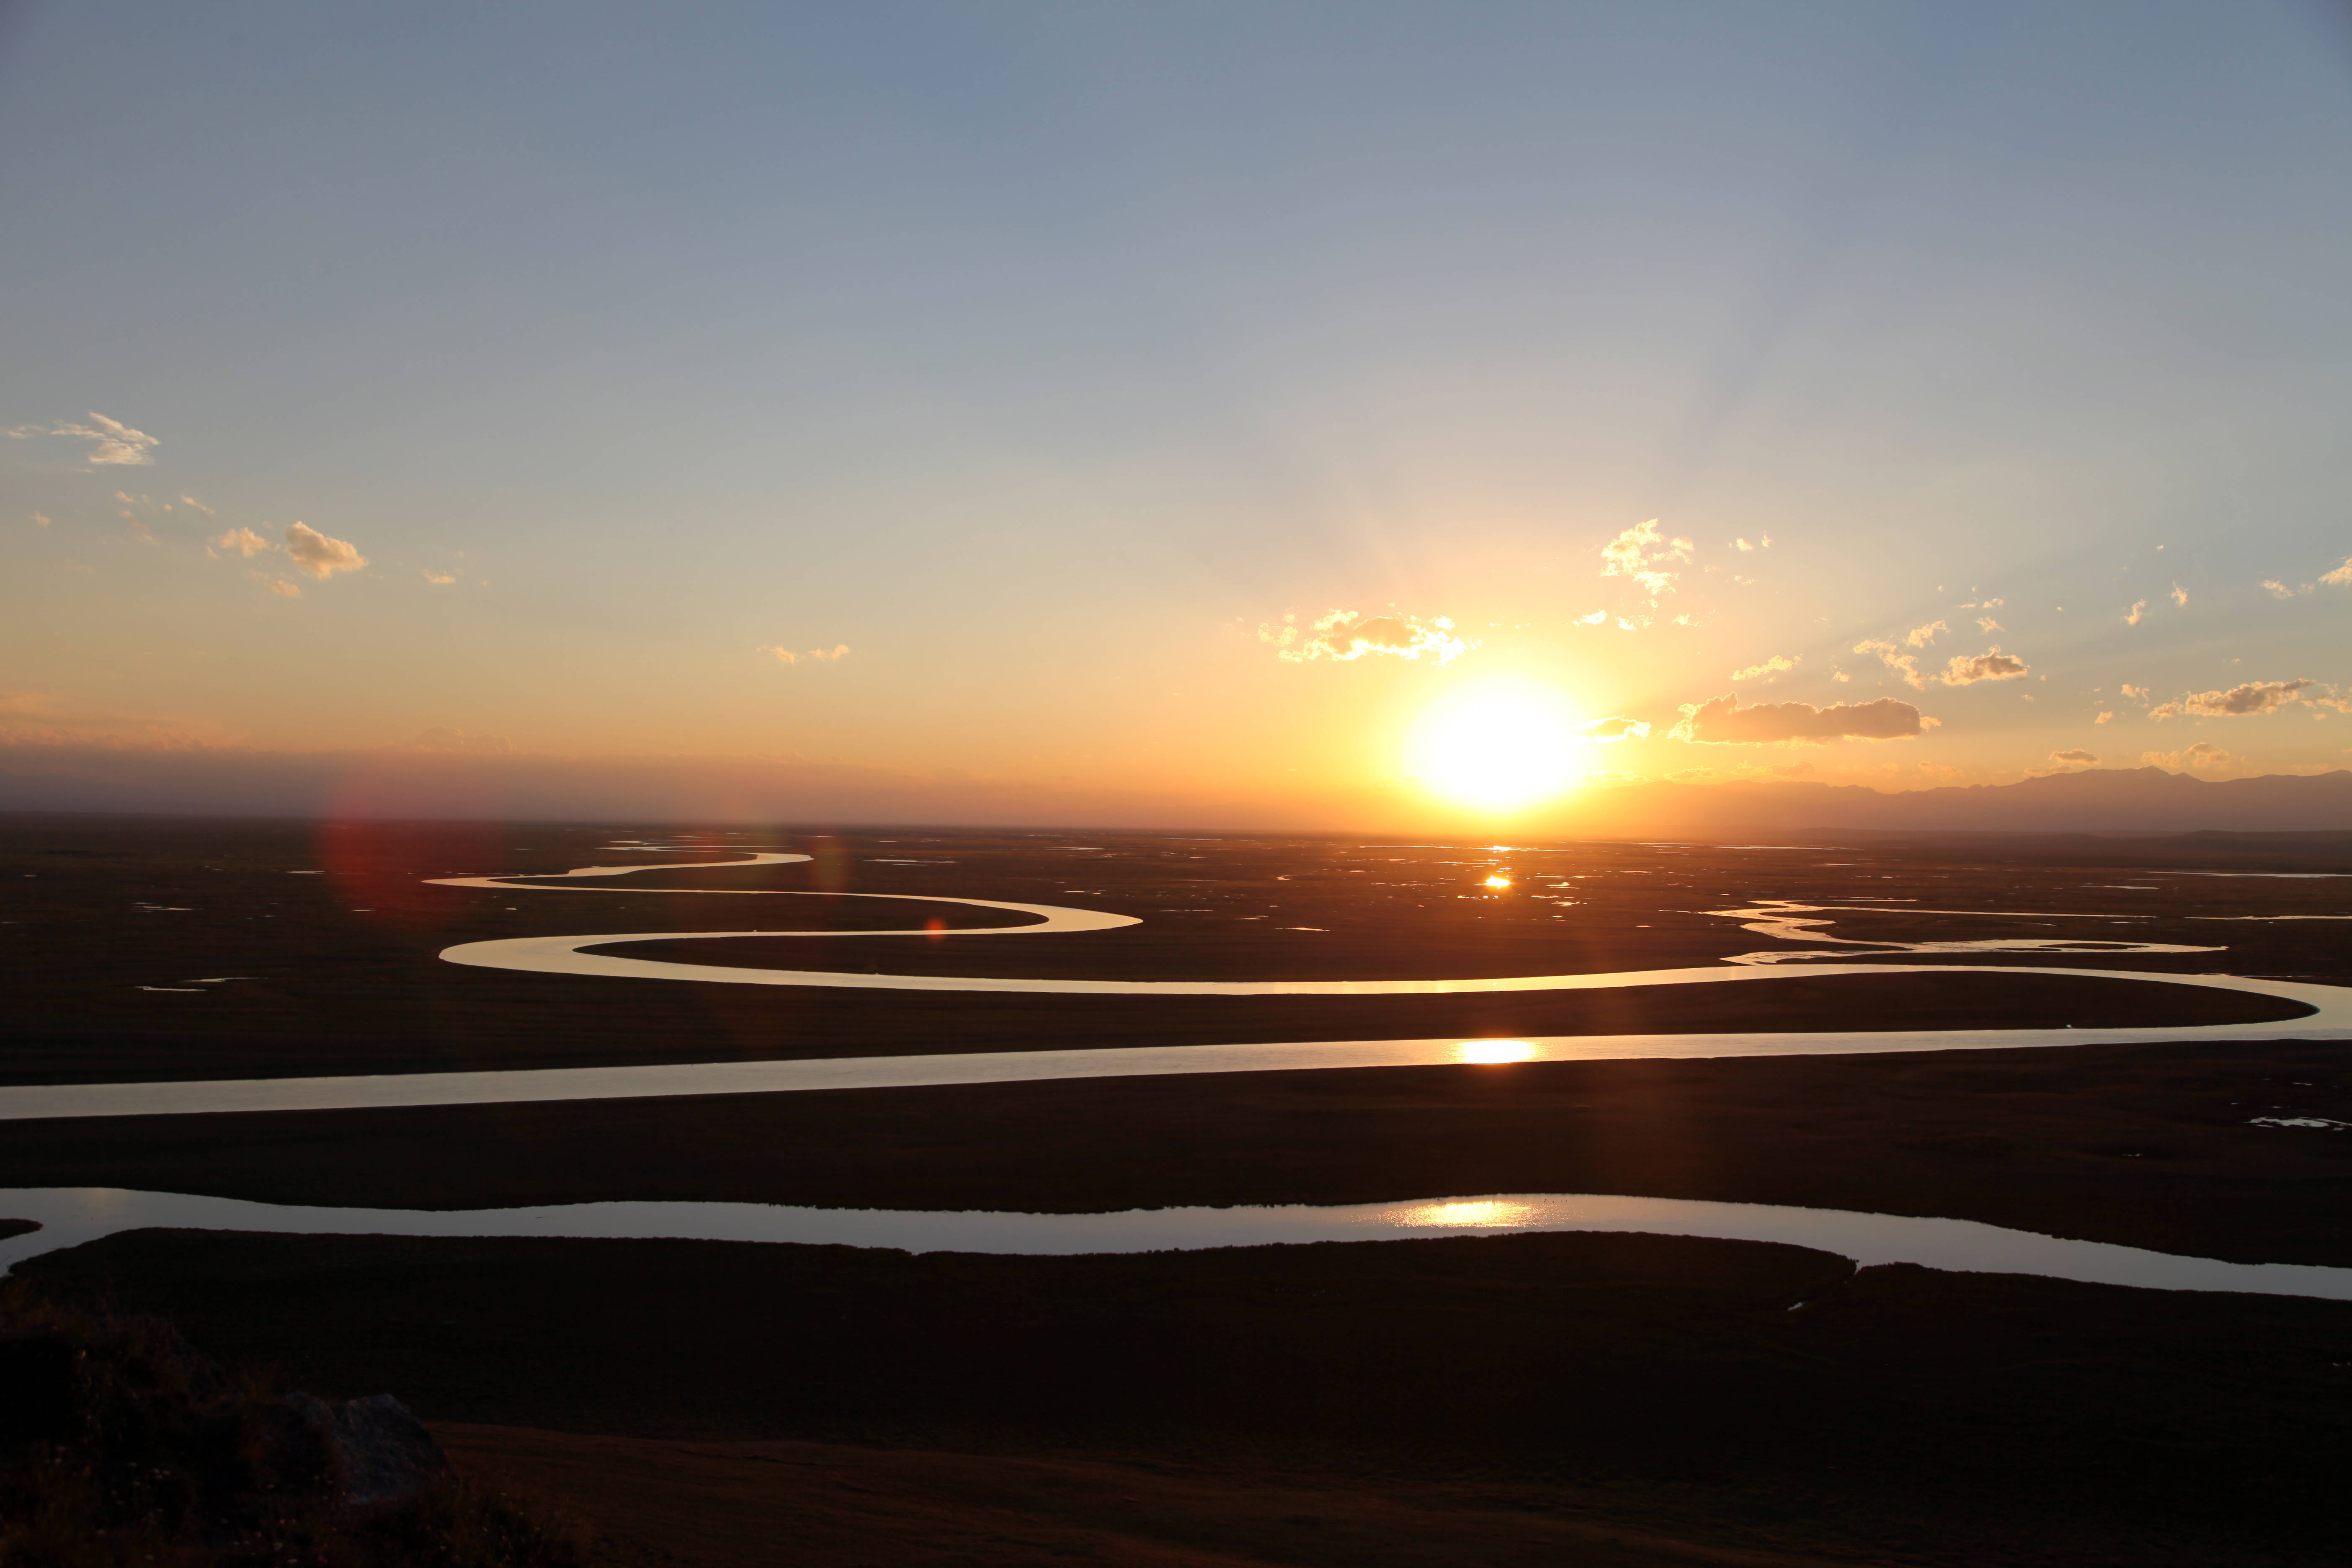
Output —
<point x="330" y="934"/>
<point x="1581" y="1399"/>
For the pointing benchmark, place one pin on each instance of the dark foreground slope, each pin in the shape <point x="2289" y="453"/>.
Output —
<point x="1720" y="1392"/>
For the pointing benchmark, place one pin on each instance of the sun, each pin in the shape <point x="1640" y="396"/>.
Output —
<point x="1498" y="746"/>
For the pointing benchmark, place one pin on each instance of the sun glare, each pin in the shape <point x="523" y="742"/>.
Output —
<point x="1498" y="746"/>
<point x="1491" y="1053"/>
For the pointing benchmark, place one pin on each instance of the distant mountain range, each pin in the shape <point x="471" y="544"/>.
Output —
<point x="236" y="781"/>
<point x="2095" y="800"/>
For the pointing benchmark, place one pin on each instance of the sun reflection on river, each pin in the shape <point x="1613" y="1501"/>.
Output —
<point x="1487" y="1052"/>
<point x="1484" y="1213"/>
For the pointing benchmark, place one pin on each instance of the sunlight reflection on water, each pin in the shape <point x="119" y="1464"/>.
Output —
<point x="1474" y="1214"/>
<point x="1489" y="1052"/>
<point x="72" y="1215"/>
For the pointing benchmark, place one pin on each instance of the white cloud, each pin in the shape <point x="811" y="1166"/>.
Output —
<point x="2239" y="701"/>
<point x="1722" y="721"/>
<point x="2329" y="698"/>
<point x="2203" y="754"/>
<point x="1594" y="619"/>
<point x="815" y="655"/>
<point x="2080" y="757"/>
<point x="111" y="443"/>
<point x="197" y="505"/>
<point x="2341" y="578"/>
<point x="1920" y="637"/>
<point x="2105" y="717"/>
<point x="439" y="579"/>
<point x="314" y="553"/>
<point x="2137" y="611"/>
<point x="1987" y="623"/>
<point x="1641" y="552"/>
<point x="1345" y="636"/>
<point x="1964" y="670"/>
<point x="243" y="541"/>
<point x="289" y="590"/>
<point x="2138" y="691"/>
<point x="2279" y="590"/>
<point x="1772" y="666"/>
<point x="2249" y="698"/>
<point x="1615" y="727"/>
<point x="2180" y="596"/>
<point x="1905" y="665"/>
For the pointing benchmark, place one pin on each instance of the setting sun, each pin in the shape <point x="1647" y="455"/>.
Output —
<point x="1497" y="746"/>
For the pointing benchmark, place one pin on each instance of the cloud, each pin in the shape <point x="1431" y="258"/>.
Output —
<point x="1961" y="669"/>
<point x="194" y="504"/>
<point x="290" y="590"/>
<point x="457" y="742"/>
<point x="1615" y="727"/>
<point x="318" y="556"/>
<point x="1722" y="721"/>
<point x="2105" y="716"/>
<point x="2085" y="758"/>
<point x="1345" y="636"/>
<point x="2279" y="590"/>
<point x="32" y="719"/>
<point x="243" y="541"/>
<point x="1743" y="546"/>
<point x="439" y="579"/>
<point x="1594" y="619"/>
<point x="2180" y="595"/>
<point x="1904" y="663"/>
<point x="111" y="443"/>
<point x="2138" y="691"/>
<point x="815" y="655"/>
<point x="1987" y="623"/>
<point x="1772" y="666"/>
<point x="2138" y="610"/>
<point x="2328" y="697"/>
<point x="1982" y="604"/>
<point x="40" y="520"/>
<point x="2203" y="754"/>
<point x="1994" y="666"/>
<point x="2238" y="702"/>
<point x="1641" y="552"/>
<point x="1741" y="773"/>
<point x="2341" y="578"/>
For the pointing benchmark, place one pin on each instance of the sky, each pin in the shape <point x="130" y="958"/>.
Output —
<point x="1286" y="412"/>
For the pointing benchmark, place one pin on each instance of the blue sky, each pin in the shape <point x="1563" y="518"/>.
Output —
<point x="1042" y="356"/>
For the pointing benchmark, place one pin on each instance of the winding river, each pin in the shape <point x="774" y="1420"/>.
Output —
<point x="2327" y="1016"/>
<point x="71" y="1216"/>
